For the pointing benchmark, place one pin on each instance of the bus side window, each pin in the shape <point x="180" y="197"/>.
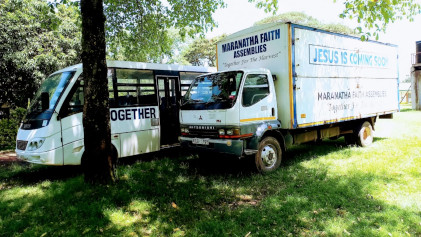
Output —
<point x="135" y="87"/>
<point x="186" y="79"/>
<point x="110" y="75"/>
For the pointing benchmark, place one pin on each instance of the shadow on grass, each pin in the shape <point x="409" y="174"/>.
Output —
<point x="175" y="193"/>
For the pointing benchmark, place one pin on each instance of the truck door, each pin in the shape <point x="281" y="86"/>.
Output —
<point x="258" y="102"/>
<point x="169" y="95"/>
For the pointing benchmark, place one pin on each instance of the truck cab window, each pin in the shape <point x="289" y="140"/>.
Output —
<point x="256" y="87"/>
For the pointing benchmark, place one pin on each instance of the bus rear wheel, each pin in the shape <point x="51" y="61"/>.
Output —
<point x="269" y="155"/>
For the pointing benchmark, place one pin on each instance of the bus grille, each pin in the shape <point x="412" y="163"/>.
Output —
<point x="21" y="145"/>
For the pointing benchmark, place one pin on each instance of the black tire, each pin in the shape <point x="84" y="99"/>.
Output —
<point x="269" y="155"/>
<point x="350" y="139"/>
<point x="365" y="135"/>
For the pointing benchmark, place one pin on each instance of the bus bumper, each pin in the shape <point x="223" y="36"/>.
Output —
<point x="52" y="157"/>
<point x="226" y="146"/>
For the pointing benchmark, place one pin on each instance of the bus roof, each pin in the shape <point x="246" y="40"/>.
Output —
<point x="147" y="66"/>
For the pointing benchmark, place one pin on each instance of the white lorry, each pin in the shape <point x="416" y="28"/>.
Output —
<point x="282" y="84"/>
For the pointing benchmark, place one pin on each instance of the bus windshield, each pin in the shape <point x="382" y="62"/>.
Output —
<point x="54" y="85"/>
<point x="213" y="91"/>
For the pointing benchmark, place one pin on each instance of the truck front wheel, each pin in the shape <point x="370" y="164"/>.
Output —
<point x="269" y="155"/>
<point x="365" y="135"/>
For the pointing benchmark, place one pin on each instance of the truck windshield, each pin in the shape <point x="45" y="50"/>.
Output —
<point x="54" y="86"/>
<point x="213" y="91"/>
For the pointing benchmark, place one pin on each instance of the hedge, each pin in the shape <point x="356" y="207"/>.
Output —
<point x="9" y="128"/>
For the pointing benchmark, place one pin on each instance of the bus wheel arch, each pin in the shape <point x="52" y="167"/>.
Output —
<point x="114" y="153"/>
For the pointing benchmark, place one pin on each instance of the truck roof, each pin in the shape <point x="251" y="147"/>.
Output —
<point x="257" y="28"/>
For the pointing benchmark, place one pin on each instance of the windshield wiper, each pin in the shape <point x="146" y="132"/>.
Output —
<point x="192" y="100"/>
<point x="216" y="98"/>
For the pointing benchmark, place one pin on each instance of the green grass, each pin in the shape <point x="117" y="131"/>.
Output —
<point x="324" y="190"/>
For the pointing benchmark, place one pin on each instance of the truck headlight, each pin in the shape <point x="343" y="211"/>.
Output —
<point x="221" y="131"/>
<point x="233" y="131"/>
<point x="184" y="130"/>
<point x="35" y="143"/>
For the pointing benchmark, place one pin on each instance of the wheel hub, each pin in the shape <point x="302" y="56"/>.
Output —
<point x="367" y="133"/>
<point x="268" y="156"/>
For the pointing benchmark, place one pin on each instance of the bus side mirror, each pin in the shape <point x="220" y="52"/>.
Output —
<point x="45" y="101"/>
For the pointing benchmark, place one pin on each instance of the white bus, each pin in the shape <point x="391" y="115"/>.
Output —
<point x="144" y="111"/>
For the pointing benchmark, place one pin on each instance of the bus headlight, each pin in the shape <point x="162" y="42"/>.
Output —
<point x="35" y="143"/>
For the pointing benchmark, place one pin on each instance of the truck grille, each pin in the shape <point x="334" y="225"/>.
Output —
<point x="21" y="145"/>
<point x="203" y="131"/>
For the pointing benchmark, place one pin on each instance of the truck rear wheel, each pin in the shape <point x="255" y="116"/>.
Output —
<point x="365" y="134"/>
<point x="269" y="155"/>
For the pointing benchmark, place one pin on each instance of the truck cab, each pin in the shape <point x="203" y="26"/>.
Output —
<point x="229" y="111"/>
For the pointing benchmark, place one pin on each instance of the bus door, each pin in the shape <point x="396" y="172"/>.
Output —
<point x="71" y="125"/>
<point x="169" y="96"/>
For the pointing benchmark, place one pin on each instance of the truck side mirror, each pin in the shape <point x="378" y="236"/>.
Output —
<point x="274" y="77"/>
<point x="45" y="101"/>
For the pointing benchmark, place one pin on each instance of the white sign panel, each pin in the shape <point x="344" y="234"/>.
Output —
<point x="341" y="78"/>
<point x="344" y="57"/>
<point x="259" y="47"/>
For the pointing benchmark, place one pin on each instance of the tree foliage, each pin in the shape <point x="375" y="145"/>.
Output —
<point x="141" y="30"/>
<point x="34" y="42"/>
<point x="375" y="15"/>
<point x="201" y="52"/>
<point x="9" y="128"/>
<point x="304" y="19"/>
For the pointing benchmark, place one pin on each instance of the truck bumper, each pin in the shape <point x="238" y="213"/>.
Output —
<point x="52" y="157"/>
<point x="227" y="146"/>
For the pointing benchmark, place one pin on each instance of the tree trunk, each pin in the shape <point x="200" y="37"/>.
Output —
<point x="99" y="159"/>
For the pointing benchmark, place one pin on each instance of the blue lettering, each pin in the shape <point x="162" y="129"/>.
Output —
<point x="121" y="114"/>
<point x="319" y="55"/>
<point x="140" y="113"/>
<point x="128" y="114"/>
<point x="325" y="55"/>
<point x="331" y="56"/>
<point x="277" y="33"/>
<point x="113" y="115"/>
<point x="336" y="57"/>
<point x="147" y="113"/>
<point x="134" y="113"/>
<point x="153" y="113"/>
